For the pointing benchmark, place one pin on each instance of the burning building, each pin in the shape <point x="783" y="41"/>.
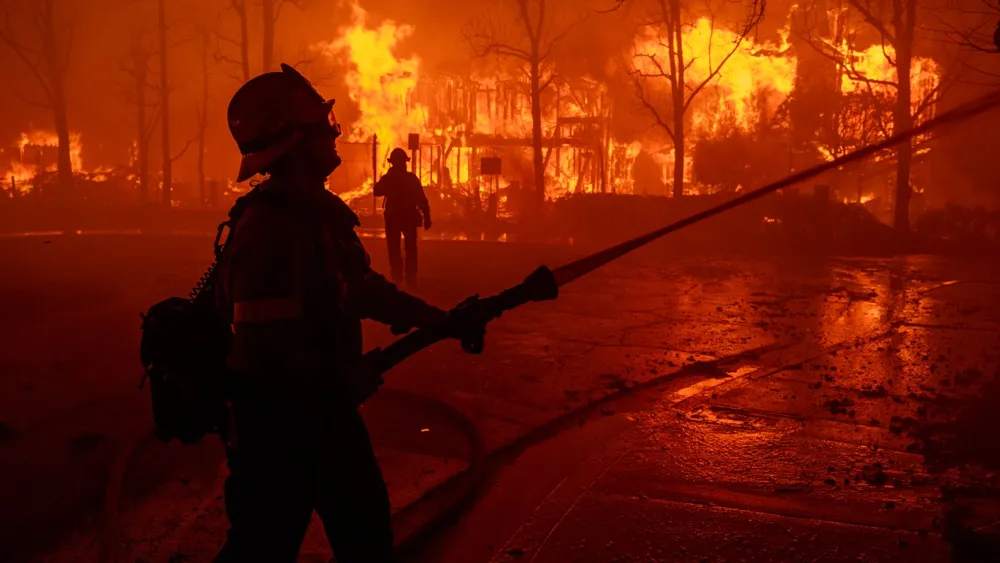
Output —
<point x="743" y="109"/>
<point x="34" y="154"/>
<point x="461" y="122"/>
<point x="737" y="99"/>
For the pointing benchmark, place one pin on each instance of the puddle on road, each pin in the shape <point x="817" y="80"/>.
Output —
<point x="706" y="384"/>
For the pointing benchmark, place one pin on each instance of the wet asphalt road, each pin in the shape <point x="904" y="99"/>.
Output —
<point x="862" y="430"/>
<point x="757" y="401"/>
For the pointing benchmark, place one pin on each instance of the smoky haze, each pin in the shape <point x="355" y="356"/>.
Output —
<point x="98" y="88"/>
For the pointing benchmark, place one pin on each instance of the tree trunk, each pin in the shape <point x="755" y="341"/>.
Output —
<point x="678" y="154"/>
<point x="268" y="39"/>
<point x="203" y="123"/>
<point x="202" y="194"/>
<point x="241" y="10"/>
<point x="904" y="157"/>
<point x="536" y="132"/>
<point x="165" y="106"/>
<point x="902" y="118"/>
<point x="142" y="137"/>
<point x="678" y="92"/>
<point x="65" y="162"/>
<point x="57" y="97"/>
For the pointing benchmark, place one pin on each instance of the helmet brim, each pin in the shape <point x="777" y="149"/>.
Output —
<point x="256" y="162"/>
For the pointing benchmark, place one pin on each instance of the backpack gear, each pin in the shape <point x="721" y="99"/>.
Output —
<point x="183" y="349"/>
<point x="186" y="343"/>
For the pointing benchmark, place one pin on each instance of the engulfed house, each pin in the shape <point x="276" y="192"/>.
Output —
<point x="466" y="119"/>
<point x="19" y="164"/>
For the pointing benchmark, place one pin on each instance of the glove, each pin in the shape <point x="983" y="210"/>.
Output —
<point x="468" y="325"/>
<point x="427" y="223"/>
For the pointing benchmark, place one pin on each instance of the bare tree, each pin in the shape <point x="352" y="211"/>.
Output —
<point x="201" y="112"/>
<point x="167" y="161"/>
<point x="537" y="31"/>
<point x="894" y="22"/>
<point x="271" y="13"/>
<point x="240" y="8"/>
<point x="648" y="69"/>
<point x="35" y="31"/>
<point x="974" y="28"/>
<point x="137" y="66"/>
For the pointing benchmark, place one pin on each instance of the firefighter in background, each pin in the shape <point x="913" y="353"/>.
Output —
<point x="294" y="283"/>
<point x="406" y="207"/>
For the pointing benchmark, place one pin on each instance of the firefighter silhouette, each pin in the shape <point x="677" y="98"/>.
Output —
<point x="406" y="208"/>
<point x="294" y="283"/>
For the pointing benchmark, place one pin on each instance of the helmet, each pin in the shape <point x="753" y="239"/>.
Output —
<point x="398" y="156"/>
<point x="267" y="114"/>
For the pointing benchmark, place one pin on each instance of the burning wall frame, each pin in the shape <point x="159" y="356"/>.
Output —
<point x="468" y="118"/>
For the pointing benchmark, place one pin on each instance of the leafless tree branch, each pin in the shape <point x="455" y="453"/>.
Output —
<point x="225" y="39"/>
<point x="27" y="101"/>
<point x="220" y="58"/>
<point x="844" y="62"/>
<point x="873" y="21"/>
<point x="300" y="4"/>
<point x="24" y="51"/>
<point x="548" y="82"/>
<point x="187" y="145"/>
<point x="653" y="111"/>
<point x="714" y="72"/>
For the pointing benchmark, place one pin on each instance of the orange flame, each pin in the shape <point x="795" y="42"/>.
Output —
<point x="492" y="114"/>
<point x="751" y="84"/>
<point x="733" y="96"/>
<point x="41" y="138"/>
<point x="378" y="82"/>
<point x="23" y="171"/>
